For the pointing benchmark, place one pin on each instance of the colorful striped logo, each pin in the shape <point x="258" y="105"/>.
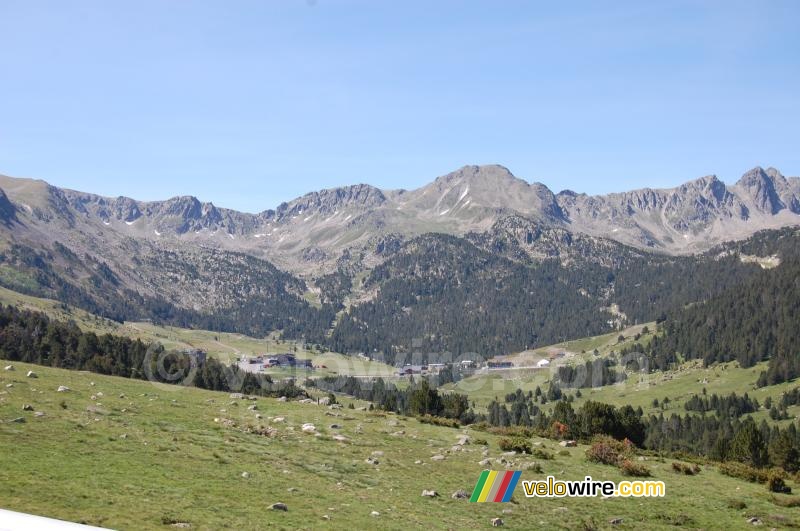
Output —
<point x="495" y="486"/>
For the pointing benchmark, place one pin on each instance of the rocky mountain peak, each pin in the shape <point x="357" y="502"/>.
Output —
<point x="330" y="200"/>
<point x="760" y="187"/>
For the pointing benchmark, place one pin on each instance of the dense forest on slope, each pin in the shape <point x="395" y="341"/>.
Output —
<point x="753" y="322"/>
<point x="486" y="294"/>
<point x="457" y="298"/>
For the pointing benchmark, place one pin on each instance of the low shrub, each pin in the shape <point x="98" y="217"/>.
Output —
<point x="511" y="431"/>
<point x="632" y="468"/>
<point x="538" y="453"/>
<point x="689" y="470"/>
<point x="745" y="472"/>
<point x="608" y="451"/>
<point x="737" y="504"/>
<point x="480" y="442"/>
<point x="517" y="444"/>
<point x="438" y="421"/>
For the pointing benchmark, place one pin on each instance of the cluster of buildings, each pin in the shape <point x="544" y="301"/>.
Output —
<point x="264" y="361"/>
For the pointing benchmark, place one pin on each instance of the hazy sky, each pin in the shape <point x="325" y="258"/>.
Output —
<point x="248" y="104"/>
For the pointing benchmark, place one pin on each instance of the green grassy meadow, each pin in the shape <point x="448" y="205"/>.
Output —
<point x="140" y="456"/>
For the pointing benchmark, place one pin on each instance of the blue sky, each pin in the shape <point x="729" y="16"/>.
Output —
<point x="249" y="104"/>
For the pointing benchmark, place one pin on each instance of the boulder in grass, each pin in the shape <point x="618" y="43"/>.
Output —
<point x="27" y="407"/>
<point x="460" y="495"/>
<point x="279" y="507"/>
<point x="568" y="444"/>
<point x="32" y="374"/>
<point x="62" y="389"/>
<point x="9" y="368"/>
<point x="429" y="494"/>
<point x="497" y="522"/>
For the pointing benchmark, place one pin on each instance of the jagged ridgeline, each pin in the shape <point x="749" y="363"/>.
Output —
<point x="477" y="261"/>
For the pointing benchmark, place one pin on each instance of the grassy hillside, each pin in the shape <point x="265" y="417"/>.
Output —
<point x="637" y="390"/>
<point x="128" y="454"/>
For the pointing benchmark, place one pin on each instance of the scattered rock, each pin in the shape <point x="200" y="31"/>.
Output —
<point x="309" y="428"/>
<point x="123" y="436"/>
<point x="38" y="414"/>
<point x="278" y="419"/>
<point x="464" y="440"/>
<point x="377" y="453"/>
<point x="326" y="517"/>
<point x="438" y="457"/>
<point x="246" y="475"/>
<point x="568" y="444"/>
<point x="497" y="522"/>
<point x="292" y="489"/>
<point x="371" y="461"/>
<point x="93" y="398"/>
<point x="62" y="389"/>
<point x="615" y="521"/>
<point x="305" y="401"/>
<point x="9" y="368"/>
<point x="399" y="433"/>
<point x="335" y="406"/>
<point x="485" y="462"/>
<point x="237" y="396"/>
<point x="282" y="399"/>
<point x="19" y="420"/>
<point x="340" y="438"/>
<point x="460" y="495"/>
<point x="27" y="407"/>
<point x="324" y="401"/>
<point x="32" y="374"/>
<point x="429" y="494"/>
<point x="754" y="521"/>
<point x="258" y="416"/>
<point x="335" y="427"/>
<point x="456" y="448"/>
<point x="418" y="462"/>
<point x="252" y="408"/>
<point x="374" y="513"/>
<point x="122" y="395"/>
<point x="279" y="507"/>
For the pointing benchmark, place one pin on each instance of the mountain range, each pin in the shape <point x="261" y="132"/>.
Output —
<point x="311" y="266"/>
